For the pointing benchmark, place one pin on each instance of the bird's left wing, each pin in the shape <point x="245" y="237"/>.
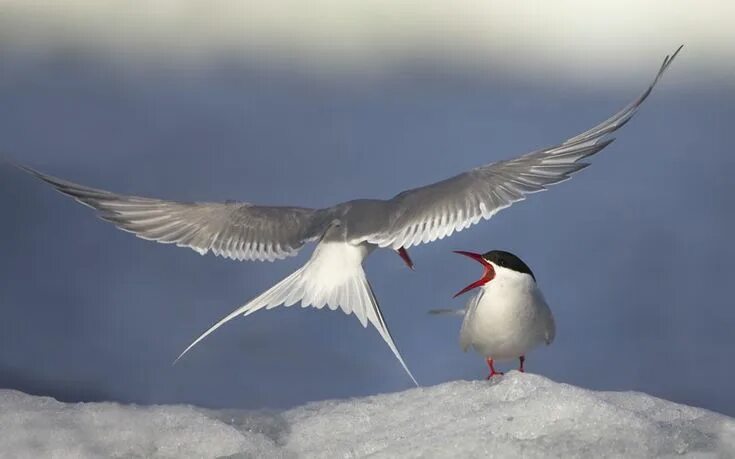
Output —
<point x="435" y="211"/>
<point x="236" y="230"/>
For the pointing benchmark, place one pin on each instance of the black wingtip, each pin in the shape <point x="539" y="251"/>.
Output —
<point x="22" y="167"/>
<point x="53" y="181"/>
<point x="676" y="52"/>
<point x="604" y="143"/>
<point x="28" y="170"/>
<point x="665" y="65"/>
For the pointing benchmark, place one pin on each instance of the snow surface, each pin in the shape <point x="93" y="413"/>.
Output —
<point x="515" y="415"/>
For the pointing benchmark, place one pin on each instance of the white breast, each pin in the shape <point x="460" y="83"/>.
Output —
<point x="507" y="317"/>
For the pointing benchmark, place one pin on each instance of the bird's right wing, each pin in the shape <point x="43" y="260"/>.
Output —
<point x="236" y="230"/>
<point x="435" y="211"/>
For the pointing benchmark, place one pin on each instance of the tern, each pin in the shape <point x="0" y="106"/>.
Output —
<point x="346" y="233"/>
<point x="508" y="316"/>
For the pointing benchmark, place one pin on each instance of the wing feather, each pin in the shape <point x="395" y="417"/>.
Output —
<point x="435" y="211"/>
<point x="236" y="230"/>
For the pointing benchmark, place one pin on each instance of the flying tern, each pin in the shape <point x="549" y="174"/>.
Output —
<point x="346" y="233"/>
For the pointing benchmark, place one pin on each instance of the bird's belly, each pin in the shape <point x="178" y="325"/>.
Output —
<point x="507" y="326"/>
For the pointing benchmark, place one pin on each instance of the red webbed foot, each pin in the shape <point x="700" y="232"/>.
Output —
<point x="491" y="365"/>
<point x="403" y="253"/>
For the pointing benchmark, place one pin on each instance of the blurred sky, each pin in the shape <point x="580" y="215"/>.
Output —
<point x="313" y="105"/>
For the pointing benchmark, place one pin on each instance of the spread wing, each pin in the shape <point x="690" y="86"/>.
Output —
<point x="236" y="230"/>
<point x="435" y="211"/>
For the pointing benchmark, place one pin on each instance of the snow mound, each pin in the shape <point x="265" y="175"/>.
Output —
<point x="515" y="415"/>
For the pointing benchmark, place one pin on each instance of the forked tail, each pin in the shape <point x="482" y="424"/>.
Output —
<point x="347" y="289"/>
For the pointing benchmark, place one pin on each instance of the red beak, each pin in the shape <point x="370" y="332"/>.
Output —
<point x="487" y="276"/>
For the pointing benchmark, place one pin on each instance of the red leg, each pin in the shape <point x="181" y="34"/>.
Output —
<point x="523" y="360"/>
<point x="406" y="258"/>
<point x="492" y="369"/>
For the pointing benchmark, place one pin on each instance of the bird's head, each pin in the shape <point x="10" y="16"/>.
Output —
<point x="496" y="263"/>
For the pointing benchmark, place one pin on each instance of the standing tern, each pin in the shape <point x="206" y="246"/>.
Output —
<point x="347" y="232"/>
<point x="508" y="316"/>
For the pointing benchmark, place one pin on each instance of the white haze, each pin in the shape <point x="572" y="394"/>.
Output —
<point x="606" y="41"/>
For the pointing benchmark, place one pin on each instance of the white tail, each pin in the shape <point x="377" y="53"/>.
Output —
<point x="333" y="277"/>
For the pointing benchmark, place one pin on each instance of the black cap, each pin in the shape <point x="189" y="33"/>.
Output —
<point x="508" y="260"/>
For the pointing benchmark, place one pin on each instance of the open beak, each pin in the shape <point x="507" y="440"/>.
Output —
<point x="487" y="276"/>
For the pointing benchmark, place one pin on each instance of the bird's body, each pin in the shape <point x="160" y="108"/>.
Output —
<point x="507" y="317"/>
<point x="346" y="232"/>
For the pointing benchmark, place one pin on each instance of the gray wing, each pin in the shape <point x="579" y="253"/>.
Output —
<point x="236" y="230"/>
<point x="435" y="211"/>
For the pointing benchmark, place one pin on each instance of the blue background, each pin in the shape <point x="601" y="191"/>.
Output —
<point x="634" y="254"/>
